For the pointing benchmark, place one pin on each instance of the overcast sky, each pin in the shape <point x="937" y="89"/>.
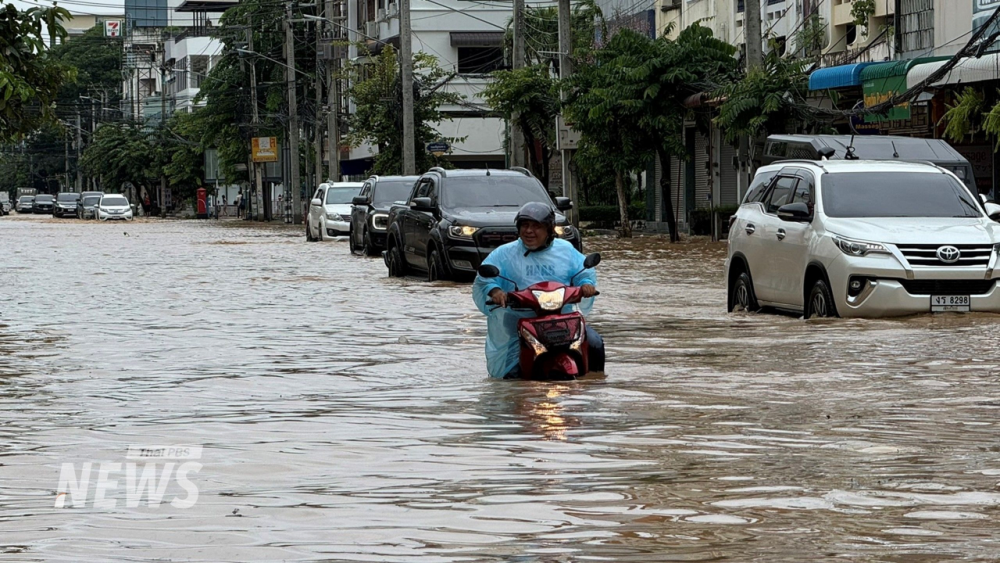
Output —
<point x="98" y="7"/>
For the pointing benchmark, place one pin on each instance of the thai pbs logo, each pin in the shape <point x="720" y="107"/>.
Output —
<point x="150" y="476"/>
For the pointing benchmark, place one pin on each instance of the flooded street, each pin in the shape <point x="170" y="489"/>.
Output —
<point x="347" y="416"/>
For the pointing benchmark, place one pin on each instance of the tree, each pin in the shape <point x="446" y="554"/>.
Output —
<point x="378" y="96"/>
<point x="120" y="154"/>
<point x="602" y="105"/>
<point x="29" y="78"/>
<point x="98" y="63"/>
<point x="533" y="95"/>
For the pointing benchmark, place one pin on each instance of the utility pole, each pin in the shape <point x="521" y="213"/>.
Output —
<point x="333" y="96"/>
<point x="569" y="180"/>
<point x="163" y="125"/>
<point x="79" y="142"/>
<point x="754" y="42"/>
<point x="254" y="119"/>
<point x="406" y="65"/>
<point x="517" y="156"/>
<point x="293" y="119"/>
<point x="66" y="161"/>
<point x="317" y="127"/>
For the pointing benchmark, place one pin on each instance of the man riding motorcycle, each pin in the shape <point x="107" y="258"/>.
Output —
<point x="537" y="256"/>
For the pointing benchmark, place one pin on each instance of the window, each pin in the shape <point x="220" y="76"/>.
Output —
<point x="422" y="188"/>
<point x="479" y="60"/>
<point x="780" y="194"/>
<point x="318" y="195"/>
<point x="432" y="191"/>
<point x="758" y="187"/>
<point x="896" y="194"/>
<point x="803" y="192"/>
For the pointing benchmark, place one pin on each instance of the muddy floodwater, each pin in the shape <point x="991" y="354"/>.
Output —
<point x="345" y="416"/>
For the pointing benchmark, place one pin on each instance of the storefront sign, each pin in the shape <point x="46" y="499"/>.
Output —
<point x="879" y="90"/>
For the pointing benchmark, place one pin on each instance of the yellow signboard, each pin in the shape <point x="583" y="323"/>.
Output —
<point x="265" y="149"/>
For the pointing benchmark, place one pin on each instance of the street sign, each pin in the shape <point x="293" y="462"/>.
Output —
<point x="113" y="28"/>
<point x="438" y="148"/>
<point x="567" y="138"/>
<point x="265" y="149"/>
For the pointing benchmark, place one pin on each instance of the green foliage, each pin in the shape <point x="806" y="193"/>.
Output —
<point x="609" y="214"/>
<point x="861" y="11"/>
<point x="811" y="39"/>
<point x="122" y="153"/>
<point x="963" y="115"/>
<point x="29" y="77"/>
<point x="701" y="219"/>
<point x="991" y="122"/>
<point x="533" y="95"/>
<point x="764" y="101"/>
<point x="378" y="95"/>
<point x="98" y="63"/>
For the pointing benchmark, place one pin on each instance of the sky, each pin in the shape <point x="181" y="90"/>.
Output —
<point x="96" y="7"/>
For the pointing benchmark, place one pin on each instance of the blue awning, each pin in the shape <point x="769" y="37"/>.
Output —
<point x="843" y="76"/>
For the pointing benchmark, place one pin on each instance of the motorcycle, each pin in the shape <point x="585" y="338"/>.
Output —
<point x="553" y="344"/>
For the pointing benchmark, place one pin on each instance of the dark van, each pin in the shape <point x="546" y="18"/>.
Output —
<point x="870" y="147"/>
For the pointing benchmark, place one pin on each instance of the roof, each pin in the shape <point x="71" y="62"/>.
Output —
<point x="894" y="68"/>
<point x="205" y="5"/>
<point x="969" y="69"/>
<point x="843" y="76"/>
<point x="470" y="172"/>
<point x="875" y="147"/>
<point x="476" y="38"/>
<point x="396" y="178"/>
<point x="843" y="166"/>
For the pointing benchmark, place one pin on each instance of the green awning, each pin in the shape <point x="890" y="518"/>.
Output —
<point x="881" y="81"/>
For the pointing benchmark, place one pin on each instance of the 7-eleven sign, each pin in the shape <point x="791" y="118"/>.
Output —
<point x="112" y="28"/>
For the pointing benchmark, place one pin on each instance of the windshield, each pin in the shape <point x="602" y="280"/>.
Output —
<point x="493" y="191"/>
<point x="68" y="197"/>
<point x="341" y="195"/>
<point x="110" y="201"/>
<point x="26" y="198"/>
<point x="389" y="192"/>
<point x="43" y="199"/>
<point x="896" y="194"/>
<point x="92" y="200"/>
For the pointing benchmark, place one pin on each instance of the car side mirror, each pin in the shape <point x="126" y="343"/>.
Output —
<point x="592" y="260"/>
<point x="488" y="271"/>
<point x="993" y="210"/>
<point x="564" y="203"/>
<point x="316" y="202"/>
<point x="422" y="204"/>
<point x="360" y="200"/>
<point x="797" y="212"/>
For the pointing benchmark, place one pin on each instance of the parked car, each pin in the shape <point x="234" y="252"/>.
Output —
<point x="453" y="219"/>
<point x="330" y="210"/>
<point x="83" y="196"/>
<point x="114" y="206"/>
<point x="87" y="208"/>
<point x="24" y="204"/>
<point x="43" y="204"/>
<point x="862" y="239"/>
<point x="370" y="212"/>
<point x="5" y="205"/>
<point x="66" y="204"/>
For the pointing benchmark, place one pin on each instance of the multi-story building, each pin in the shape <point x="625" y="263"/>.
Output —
<point x="467" y="40"/>
<point x="78" y="24"/>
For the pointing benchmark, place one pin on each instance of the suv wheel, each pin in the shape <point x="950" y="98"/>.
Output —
<point x="350" y="241"/>
<point x="368" y="248"/>
<point x="435" y="267"/>
<point x="820" y="302"/>
<point x="743" y="298"/>
<point x="309" y="233"/>
<point x="394" y="261"/>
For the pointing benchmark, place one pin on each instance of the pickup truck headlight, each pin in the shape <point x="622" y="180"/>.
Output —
<point x="462" y="232"/>
<point x="380" y="221"/>
<point x="859" y="247"/>
<point x="564" y="232"/>
<point x="334" y="217"/>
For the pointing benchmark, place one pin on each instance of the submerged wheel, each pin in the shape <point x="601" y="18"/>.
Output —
<point x="350" y="241"/>
<point x="368" y="248"/>
<point x="435" y="267"/>
<point x="309" y="234"/>
<point x="394" y="261"/>
<point x="820" y="302"/>
<point x="743" y="297"/>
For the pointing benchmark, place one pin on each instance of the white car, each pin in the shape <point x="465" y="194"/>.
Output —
<point x="330" y="210"/>
<point x="862" y="239"/>
<point x="113" y="206"/>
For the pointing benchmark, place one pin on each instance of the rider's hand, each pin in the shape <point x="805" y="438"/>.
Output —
<point x="498" y="297"/>
<point x="588" y="290"/>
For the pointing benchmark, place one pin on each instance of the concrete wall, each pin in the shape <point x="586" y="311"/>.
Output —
<point x="952" y="21"/>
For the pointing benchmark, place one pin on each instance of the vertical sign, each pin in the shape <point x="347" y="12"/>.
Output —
<point x="112" y="28"/>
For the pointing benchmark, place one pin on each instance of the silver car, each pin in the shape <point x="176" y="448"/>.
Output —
<point x="862" y="239"/>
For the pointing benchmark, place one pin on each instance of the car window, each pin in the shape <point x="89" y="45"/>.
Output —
<point x="493" y="191"/>
<point x="341" y="196"/>
<point x="897" y="194"/>
<point x="318" y="195"/>
<point x="759" y="186"/>
<point x="780" y="194"/>
<point x="432" y="191"/>
<point x="803" y="191"/>
<point x="388" y="192"/>
<point x="423" y="188"/>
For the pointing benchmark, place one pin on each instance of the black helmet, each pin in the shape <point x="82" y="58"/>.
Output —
<point x="536" y="211"/>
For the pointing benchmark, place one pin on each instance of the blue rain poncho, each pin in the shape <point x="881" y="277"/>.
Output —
<point x="556" y="263"/>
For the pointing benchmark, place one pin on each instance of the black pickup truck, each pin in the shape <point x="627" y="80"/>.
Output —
<point x="453" y="219"/>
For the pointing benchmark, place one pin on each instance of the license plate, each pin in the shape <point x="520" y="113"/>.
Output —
<point x="945" y="303"/>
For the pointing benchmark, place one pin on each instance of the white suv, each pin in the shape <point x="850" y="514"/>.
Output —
<point x="862" y="239"/>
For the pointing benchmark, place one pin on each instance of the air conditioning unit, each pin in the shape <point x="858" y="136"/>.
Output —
<point x="668" y="5"/>
<point x="380" y="15"/>
<point x="371" y="30"/>
<point x="393" y="10"/>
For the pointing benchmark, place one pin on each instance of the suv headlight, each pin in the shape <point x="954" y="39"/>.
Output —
<point x="334" y="217"/>
<point x="859" y="247"/>
<point x="462" y="232"/>
<point x="380" y="221"/>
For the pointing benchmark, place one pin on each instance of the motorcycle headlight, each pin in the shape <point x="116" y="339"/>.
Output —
<point x="462" y="232"/>
<point x="533" y="342"/>
<point x="334" y="217"/>
<point x="859" y="247"/>
<point x="380" y="221"/>
<point x="550" y="300"/>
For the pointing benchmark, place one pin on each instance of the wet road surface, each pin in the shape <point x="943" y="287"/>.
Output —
<point x="345" y="416"/>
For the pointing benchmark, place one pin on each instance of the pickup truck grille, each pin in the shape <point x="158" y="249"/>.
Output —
<point x="492" y="237"/>
<point x="926" y="254"/>
<point x="947" y="287"/>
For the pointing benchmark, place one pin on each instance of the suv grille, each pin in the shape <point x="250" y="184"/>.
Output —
<point x="926" y="254"/>
<point x="492" y="237"/>
<point x="947" y="287"/>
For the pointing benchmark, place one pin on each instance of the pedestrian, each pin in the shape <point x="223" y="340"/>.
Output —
<point x="225" y="211"/>
<point x="239" y="204"/>
<point x="145" y="205"/>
